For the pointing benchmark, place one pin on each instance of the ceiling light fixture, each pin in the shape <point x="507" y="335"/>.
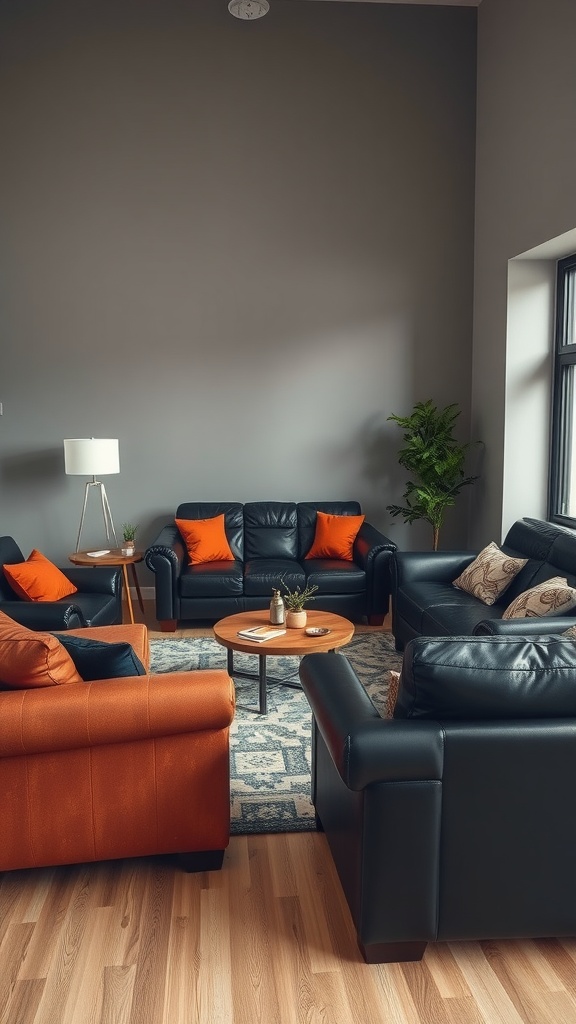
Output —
<point x="248" y="10"/>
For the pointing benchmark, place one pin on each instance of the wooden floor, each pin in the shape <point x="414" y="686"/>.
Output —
<point x="267" y="939"/>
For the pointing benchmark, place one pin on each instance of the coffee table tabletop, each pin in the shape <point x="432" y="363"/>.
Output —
<point x="292" y="642"/>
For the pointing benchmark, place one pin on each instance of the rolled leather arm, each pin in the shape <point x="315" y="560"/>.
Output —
<point x="373" y="551"/>
<point x="78" y="715"/>
<point x="525" y="627"/>
<point x="44" y="615"/>
<point x="430" y="566"/>
<point x="364" y="747"/>
<point x="166" y="558"/>
<point x="102" y="579"/>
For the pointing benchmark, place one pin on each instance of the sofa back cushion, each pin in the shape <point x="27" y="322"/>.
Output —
<point x="307" y="519"/>
<point x="270" y="530"/>
<point x="488" y="677"/>
<point x="233" y="519"/>
<point x="550" y="549"/>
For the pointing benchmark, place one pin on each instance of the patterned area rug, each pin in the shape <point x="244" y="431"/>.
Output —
<point x="270" y="754"/>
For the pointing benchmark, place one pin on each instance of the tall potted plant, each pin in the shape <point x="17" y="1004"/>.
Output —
<point x="436" y="460"/>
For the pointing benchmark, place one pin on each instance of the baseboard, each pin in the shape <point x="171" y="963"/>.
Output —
<point x="148" y="593"/>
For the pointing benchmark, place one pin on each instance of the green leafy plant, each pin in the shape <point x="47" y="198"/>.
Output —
<point x="296" y="599"/>
<point x="129" y="531"/>
<point x="436" y="460"/>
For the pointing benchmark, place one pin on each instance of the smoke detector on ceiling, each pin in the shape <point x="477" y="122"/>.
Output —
<point x="248" y="10"/>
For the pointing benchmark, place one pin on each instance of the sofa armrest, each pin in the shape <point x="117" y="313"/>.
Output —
<point x="166" y="557"/>
<point x="113" y="711"/>
<point x="364" y="747"/>
<point x="525" y="627"/>
<point x="373" y="551"/>
<point x="102" y="579"/>
<point x="44" y="615"/>
<point x="429" y="566"/>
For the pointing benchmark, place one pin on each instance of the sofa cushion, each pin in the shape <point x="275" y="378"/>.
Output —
<point x="205" y="540"/>
<point x="97" y="659"/>
<point x="489" y="677"/>
<point x="38" y="579"/>
<point x="212" y="579"/>
<point x="552" y="597"/>
<point x="262" y="574"/>
<point x="31" y="659"/>
<point x="490" y="574"/>
<point x="270" y="530"/>
<point x="334" y="536"/>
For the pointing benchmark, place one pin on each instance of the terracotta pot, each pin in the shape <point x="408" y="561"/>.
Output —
<point x="295" y="620"/>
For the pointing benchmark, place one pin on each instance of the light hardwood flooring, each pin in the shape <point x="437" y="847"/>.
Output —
<point x="266" y="940"/>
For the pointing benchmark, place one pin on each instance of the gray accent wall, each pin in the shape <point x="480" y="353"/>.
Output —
<point x="238" y="247"/>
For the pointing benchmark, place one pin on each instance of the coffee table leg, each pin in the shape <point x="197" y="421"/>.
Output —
<point x="250" y="675"/>
<point x="262" y="682"/>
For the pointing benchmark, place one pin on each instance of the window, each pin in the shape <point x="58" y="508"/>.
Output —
<point x="563" y="465"/>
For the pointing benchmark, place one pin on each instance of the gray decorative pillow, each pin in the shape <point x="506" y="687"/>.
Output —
<point x="552" y="597"/>
<point x="488" y="576"/>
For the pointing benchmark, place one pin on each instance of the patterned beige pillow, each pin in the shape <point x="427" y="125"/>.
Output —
<point x="552" y="597"/>
<point x="570" y="633"/>
<point x="488" y="576"/>
<point x="392" y="695"/>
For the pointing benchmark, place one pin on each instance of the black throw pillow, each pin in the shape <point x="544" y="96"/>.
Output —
<point x="96" y="659"/>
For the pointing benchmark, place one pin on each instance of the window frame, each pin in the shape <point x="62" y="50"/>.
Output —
<point x="563" y="405"/>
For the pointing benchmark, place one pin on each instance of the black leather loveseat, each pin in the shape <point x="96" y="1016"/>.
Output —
<point x="425" y="602"/>
<point x="97" y="602"/>
<point x="452" y="820"/>
<point x="269" y="541"/>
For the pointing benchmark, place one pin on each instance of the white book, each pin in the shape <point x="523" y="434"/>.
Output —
<point x="260" y="633"/>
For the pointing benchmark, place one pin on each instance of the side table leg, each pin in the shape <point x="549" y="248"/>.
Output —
<point x="137" y="585"/>
<point x="128" y="594"/>
<point x="262" y="682"/>
<point x="230" y="662"/>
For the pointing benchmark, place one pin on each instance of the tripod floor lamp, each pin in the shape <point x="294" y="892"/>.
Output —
<point x="93" y="456"/>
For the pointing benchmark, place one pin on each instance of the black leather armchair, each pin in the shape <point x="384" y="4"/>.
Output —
<point x="98" y="601"/>
<point x="269" y="541"/>
<point x="453" y="820"/>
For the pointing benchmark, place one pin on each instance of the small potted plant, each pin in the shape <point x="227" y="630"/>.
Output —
<point x="129" y="535"/>
<point x="295" y="601"/>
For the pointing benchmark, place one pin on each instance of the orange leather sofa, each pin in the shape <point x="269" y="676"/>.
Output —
<point x="118" y="767"/>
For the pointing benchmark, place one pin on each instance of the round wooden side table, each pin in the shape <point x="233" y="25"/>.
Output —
<point x="115" y="557"/>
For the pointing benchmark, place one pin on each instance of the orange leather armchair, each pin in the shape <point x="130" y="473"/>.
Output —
<point x="117" y="768"/>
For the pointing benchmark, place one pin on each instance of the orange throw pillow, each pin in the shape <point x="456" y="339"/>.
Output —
<point x="29" y="659"/>
<point x="335" y="536"/>
<point x="205" y="540"/>
<point x="37" y="579"/>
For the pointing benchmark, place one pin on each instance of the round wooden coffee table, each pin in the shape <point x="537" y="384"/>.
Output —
<point x="293" y="641"/>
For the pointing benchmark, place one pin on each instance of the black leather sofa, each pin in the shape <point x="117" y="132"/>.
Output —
<point x="453" y="820"/>
<point x="269" y="541"/>
<point x="425" y="603"/>
<point x="98" y="601"/>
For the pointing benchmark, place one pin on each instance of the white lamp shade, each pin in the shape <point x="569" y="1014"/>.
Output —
<point x="91" y="456"/>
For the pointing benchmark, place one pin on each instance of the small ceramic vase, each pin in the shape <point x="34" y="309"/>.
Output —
<point x="128" y="548"/>
<point x="296" y="620"/>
